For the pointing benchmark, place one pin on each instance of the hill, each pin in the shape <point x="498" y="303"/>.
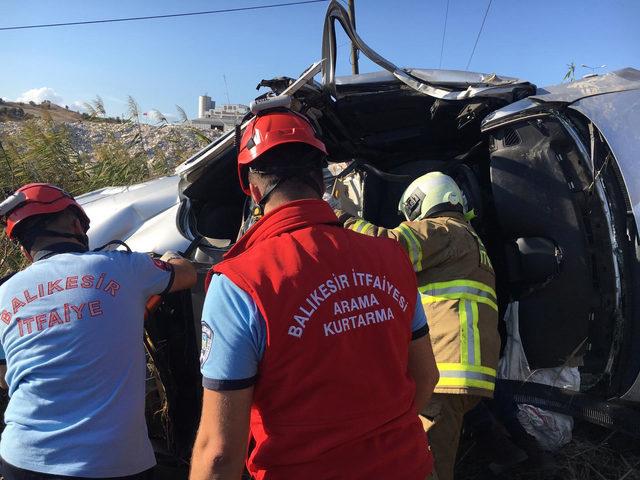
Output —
<point x="18" y="111"/>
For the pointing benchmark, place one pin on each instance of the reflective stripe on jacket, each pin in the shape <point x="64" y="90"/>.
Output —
<point x="457" y="284"/>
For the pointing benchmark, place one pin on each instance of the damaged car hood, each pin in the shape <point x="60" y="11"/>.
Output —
<point x="138" y="215"/>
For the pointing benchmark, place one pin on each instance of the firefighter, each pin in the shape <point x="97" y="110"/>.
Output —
<point x="71" y="329"/>
<point x="312" y="340"/>
<point x="457" y="285"/>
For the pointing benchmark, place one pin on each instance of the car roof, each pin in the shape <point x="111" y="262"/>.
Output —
<point x="627" y="79"/>
<point x="452" y="78"/>
<point x="616" y="81"/>
<point x="617" y="116"/>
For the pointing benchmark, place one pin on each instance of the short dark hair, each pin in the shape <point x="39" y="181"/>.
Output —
<point x="294" y="162"/>
<point x="28" y="231"/>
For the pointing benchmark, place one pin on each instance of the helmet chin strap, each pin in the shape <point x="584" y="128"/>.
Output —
<point x="301" y="174"/>
<point x="443" y="207"/>
<point x="258" y="210"/>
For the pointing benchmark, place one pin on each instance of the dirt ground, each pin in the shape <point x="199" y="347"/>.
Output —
<point x="594" y="453"/>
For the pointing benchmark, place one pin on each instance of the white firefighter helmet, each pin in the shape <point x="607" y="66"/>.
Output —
<point x="429" y="194"/>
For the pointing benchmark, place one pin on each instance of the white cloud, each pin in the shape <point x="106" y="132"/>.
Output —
<point x="115" y="99"/>
<point x="38" y="95"/>
<point x="79" y="105"/>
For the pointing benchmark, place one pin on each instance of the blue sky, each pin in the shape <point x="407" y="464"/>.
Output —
<point x="166" y="62"/>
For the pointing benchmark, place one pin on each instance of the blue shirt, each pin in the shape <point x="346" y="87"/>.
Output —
<point x="72" y="330"/>
<point x="234" y="336"/>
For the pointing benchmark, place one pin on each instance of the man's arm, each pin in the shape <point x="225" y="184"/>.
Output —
<point x="360" y="225"/>
<point x="423" y="370"/>
<point x="184" y="273"/>
<point x="403" y="234"/>
<point x="233" y="342"/>
<point x="220" y="448"/>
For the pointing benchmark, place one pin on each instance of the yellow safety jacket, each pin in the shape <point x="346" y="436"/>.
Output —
<point x="457" y="285"/>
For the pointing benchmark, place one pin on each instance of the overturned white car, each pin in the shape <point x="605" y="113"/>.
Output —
<point x="551" y="174"/>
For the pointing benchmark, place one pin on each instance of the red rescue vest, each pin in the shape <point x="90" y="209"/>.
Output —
<point x="333" y="397"/>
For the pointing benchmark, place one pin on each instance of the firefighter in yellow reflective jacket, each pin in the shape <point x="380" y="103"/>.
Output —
<point x="457" y="283"/>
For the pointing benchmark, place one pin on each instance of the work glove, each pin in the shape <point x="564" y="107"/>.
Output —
<point x="338" y="199"/>
<point x="333" y="202"/>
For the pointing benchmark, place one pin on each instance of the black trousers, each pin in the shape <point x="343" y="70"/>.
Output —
<point x="10" y="472"/>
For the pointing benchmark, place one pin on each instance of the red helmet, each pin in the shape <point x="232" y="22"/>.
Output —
<point x="270" y="129"/>
<point x="37" y="199"/>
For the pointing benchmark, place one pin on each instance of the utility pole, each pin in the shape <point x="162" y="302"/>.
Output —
<point x="226" y="87"/>
<point x="354" y="51"/>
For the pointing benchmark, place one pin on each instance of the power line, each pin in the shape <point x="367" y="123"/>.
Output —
<point x="153" y="17"/>
<point x="444" y="32"/>
<point x="479" y="32"/>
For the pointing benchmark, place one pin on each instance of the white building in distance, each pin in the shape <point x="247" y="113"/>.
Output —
<point x="221" y="118"/>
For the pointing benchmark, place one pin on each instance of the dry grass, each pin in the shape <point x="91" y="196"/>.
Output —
<point x="594" y="454"/>
<point x="43" y="151"/>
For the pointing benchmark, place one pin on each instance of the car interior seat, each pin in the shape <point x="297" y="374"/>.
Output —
<point x="381" y="197"/>
<point x="219" y="221"/>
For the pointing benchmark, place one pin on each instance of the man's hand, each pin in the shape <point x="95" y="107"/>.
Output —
<point x="220" y="448"/>
<point x="423" y="370"/>
<point x="338" y="198"/>
<point x="185" y="275"/>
